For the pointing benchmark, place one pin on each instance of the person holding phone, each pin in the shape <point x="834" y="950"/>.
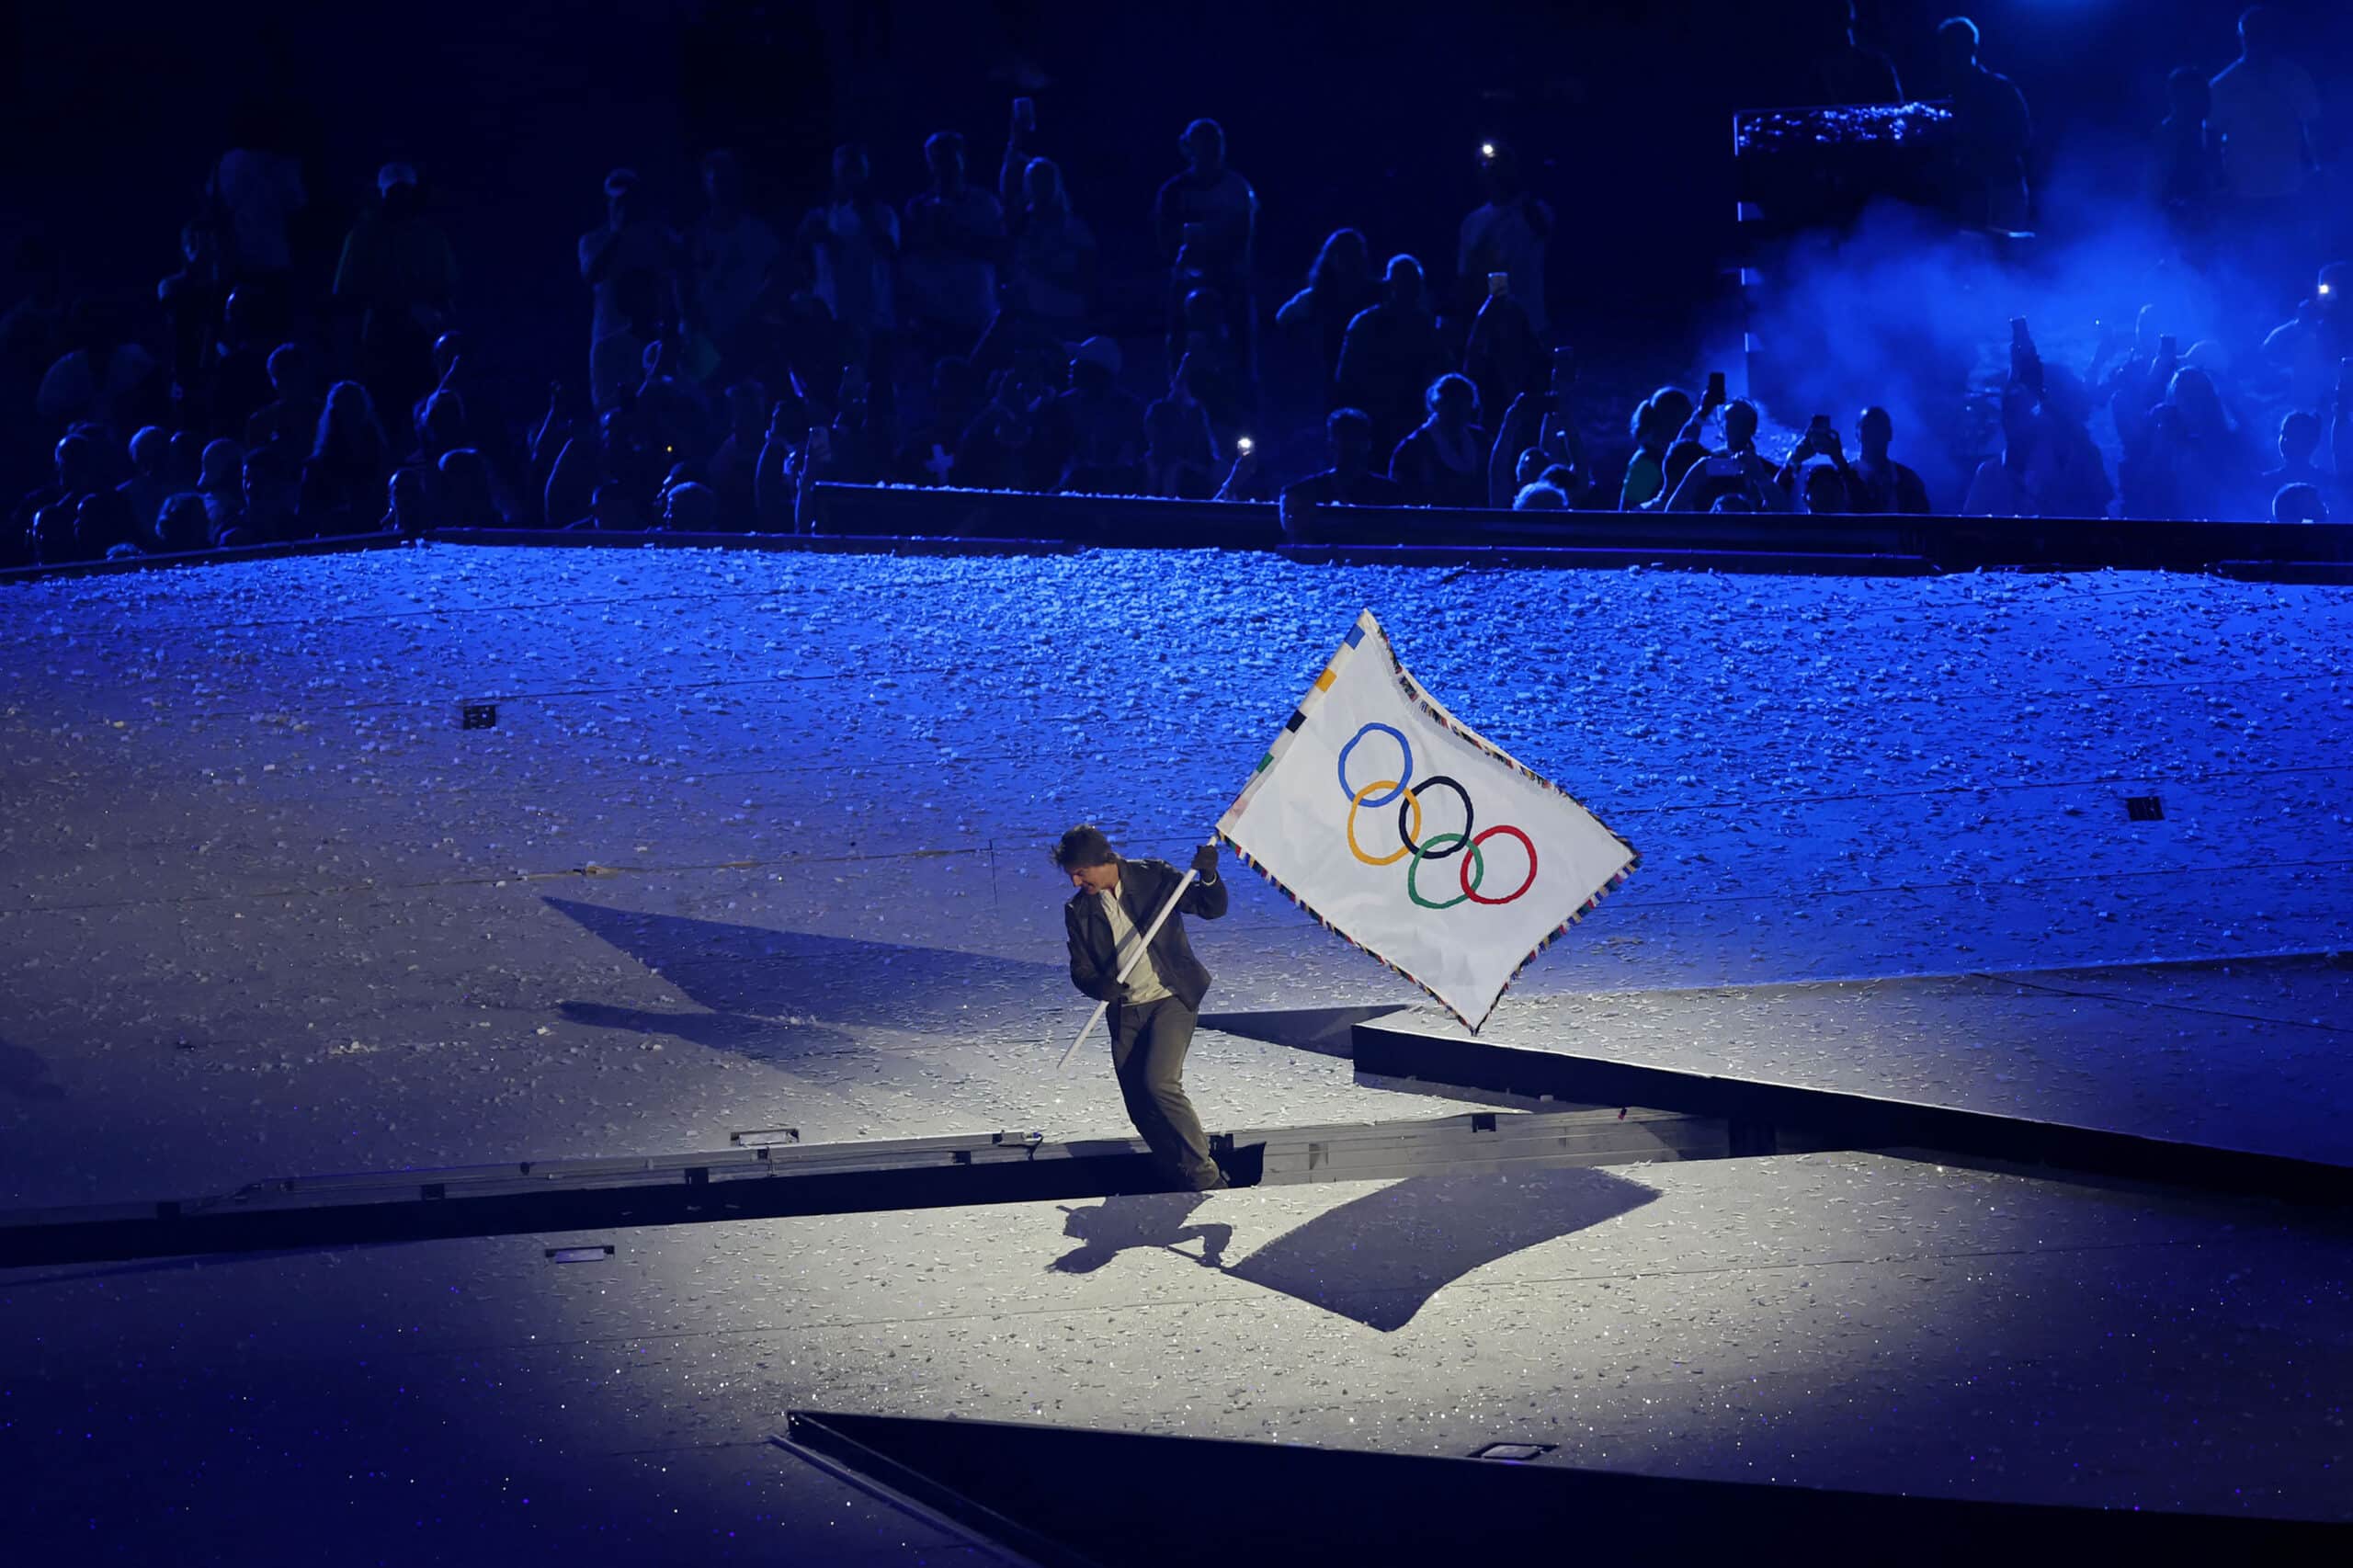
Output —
<point x="1508" y="235"/>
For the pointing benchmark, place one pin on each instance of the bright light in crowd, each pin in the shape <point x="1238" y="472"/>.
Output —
<point x="1487" y="149"/>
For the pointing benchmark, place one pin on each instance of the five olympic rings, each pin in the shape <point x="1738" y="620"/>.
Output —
<point x="1471" y="871"/>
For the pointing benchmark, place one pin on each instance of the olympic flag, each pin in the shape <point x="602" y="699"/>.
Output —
<point x="1383" y="815"/>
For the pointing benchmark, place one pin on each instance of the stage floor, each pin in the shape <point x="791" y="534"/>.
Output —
<point x="759" y="840"/>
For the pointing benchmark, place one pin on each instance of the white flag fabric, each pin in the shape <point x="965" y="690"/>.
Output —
<point x="1383" y="815"/>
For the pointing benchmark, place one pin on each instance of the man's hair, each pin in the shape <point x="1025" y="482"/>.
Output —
<point x="1082" y="846"/>
<point x="1341" y="423"/>
<point x="939" y="143"/>
<point x="1952" y="27"/>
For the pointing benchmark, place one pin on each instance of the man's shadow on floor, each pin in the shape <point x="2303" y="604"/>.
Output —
<point x="1379" y="1259"/>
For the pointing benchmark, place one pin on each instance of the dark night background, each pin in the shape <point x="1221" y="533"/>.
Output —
<point x="1340" y="114"/>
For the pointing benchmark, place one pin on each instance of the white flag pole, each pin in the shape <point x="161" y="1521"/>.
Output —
<point x="1143" y="946"/>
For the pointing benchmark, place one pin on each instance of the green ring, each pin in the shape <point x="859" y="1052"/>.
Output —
<point x="1478" y="866"/>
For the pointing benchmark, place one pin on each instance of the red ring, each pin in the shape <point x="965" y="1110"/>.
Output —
<point x="1473" y="893"/>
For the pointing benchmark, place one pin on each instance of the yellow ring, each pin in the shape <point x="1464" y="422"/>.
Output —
<point x="1376" y="787"/>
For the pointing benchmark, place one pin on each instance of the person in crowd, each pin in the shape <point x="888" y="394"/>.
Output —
<point x="1503" y="357"/>
<point x="1206" y="220"/>
<point x="632" y="266"/>
<point x="852" y="244"/>
<point x="273" y="510"/>
<point x="1739" y="470"/>
<point x="1392" y="353"/>
<point x="1051" y="276"/>
<point x="2299" y="440"/>
<point x="731" y="254"/>
<point x="733" y="466"/>
<point x="1654" y="427"/>
<point x="105" y="376"/>
<point x="2067" y="478"/>
<point x="440" y="429"/>
<point x="1093" y="433"/>
<point x="183" y="525"/>
<point x="221" y="482"/>
<point x="2310" y="347"/>
<point x="192" y="299"/>
<point x="293" y="414"/>
<point x="79" y="469"/>
<point x="2299" y="503"/>
<point x="469" y="493"/>
<point x="1000" y="449"/>
<point x="1180" y="449"/>
<point x="398" y="273"/>
<point x="1841" y="70"/>
<point x="691" y="508"/>
<point x="618" y="454"/>
<point x="1444" y="461"/>
<point x="1216" y="374"/>
<point x="149" y="486"/>
<point x="255" y="192"/>
<point x="1879" y="485"/>
<point x="1506" y="235"/>
<point x="2262" y="112"/>
<point x="611" y="510"/>
<point x="349" y="460"/>
<point x="1351" y="481"/>
<point x="669" y="405"/>
<point x="1991" y="132"/>
<point x="409" y="508"/>
<point x="1339" y="285"/>
<point x="1823" y="489"/>
<point x="955" y="232"/>
<point x="2184" y="461"/>
<point x="1537" y="495"/>
<point x="2186" y="171"/>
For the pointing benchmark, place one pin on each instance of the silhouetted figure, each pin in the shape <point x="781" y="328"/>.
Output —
<point x="1207" y="219"/>
<point x="732" y="254"/>
<point x="1444" y="461"/>
<point x="398" y="272"/>
<point x="470" y="493"/>
<point x="1339" y="285"/>
<point x="1991" y="132"/>
<point x="1841" y="70"/>
<point x="1655" y="422"/>
<point x="928" y="454"/>
<point x="632" y="267"/>
<point x="851" y="243"/>
<point x="1878" y="485"/>
<point x="2185" y="172"/>
<point x="2311" y="347"/>
<point x="2299" y="503"/>
<point x="955" y="232"/>
<point x="1093" y="432"/>
<point x="2262" y="114"/>
<point x="691" y="508"/>
<point x="1180" y="449"/>
<point x="1506" y="233"/>
<point x="192" y="299"/>
<point x="349" y="462"/>
<point x="1392" y="354"/>
<point x="291" y="416"/>
<point x="149" y="486"/>
<point x="272" y="510"/>
<point x="1351" y="481"/>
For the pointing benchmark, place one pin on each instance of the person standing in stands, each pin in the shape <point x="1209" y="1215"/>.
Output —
<point x="1207" y="221"/>
<point x="1152" y="1012"/>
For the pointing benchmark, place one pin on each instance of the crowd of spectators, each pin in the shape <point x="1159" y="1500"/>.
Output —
<point x="959" y="337"/>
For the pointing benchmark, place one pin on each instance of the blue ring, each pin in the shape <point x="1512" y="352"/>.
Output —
<point x="1405" y="773"/>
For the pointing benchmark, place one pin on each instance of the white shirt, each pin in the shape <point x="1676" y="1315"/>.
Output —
<point x="1144" y="981"/>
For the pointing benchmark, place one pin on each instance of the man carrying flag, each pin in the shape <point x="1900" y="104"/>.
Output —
<point x="1128" y="949"/>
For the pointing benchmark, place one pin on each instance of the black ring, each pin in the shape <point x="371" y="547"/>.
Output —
<point x="1406" y="839"/>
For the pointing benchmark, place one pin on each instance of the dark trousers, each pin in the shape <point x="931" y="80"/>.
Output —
<point x="1148" y="1053"/>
